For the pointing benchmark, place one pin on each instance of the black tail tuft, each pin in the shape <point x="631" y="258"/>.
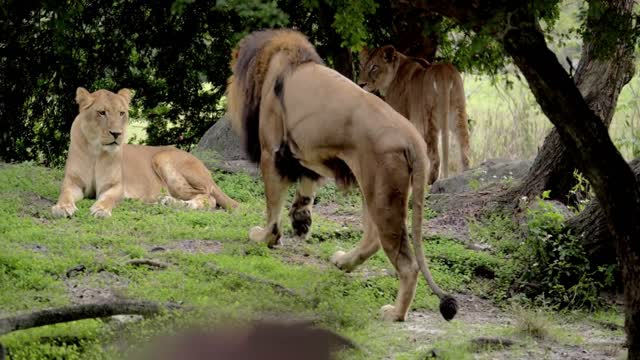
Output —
<point x="448" y="307"/>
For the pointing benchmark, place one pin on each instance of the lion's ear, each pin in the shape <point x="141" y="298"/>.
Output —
<point x="364" y="53"/>
<point x="83" y="98"/>
<point x="126" y="94"/>
<point x="389" y="53"/>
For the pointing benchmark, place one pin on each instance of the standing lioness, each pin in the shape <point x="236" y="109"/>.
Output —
<point x="100" y="165"/>
<point x="431" y="96"/>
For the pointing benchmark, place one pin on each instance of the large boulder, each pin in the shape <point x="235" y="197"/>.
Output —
<point x="487" y="173"/>
<point x="220" y="148"/>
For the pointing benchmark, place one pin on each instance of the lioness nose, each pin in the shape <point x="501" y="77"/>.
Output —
<point x="115" y="134"/>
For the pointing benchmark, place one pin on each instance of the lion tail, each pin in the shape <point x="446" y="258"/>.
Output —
<point x="448" y="304"/>
<point x="262" y="59"/>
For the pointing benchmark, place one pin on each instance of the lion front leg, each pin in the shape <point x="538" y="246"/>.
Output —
<point x="275" y="187"/>
<point x="300" y="213"/>
<point x="110" y="189"/>
<point x="107" y="200"/>
<point x="69" y="195"/>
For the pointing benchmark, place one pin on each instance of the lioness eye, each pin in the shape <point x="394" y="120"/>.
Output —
<point x="121" y="113"/>
<point x="102" y="112"/>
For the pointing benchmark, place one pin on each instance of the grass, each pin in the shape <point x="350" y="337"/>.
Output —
<point x="37" y="250"/>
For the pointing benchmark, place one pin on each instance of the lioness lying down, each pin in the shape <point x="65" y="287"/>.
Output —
<point x="100" y="165"/>
<point x="301" y="121"/>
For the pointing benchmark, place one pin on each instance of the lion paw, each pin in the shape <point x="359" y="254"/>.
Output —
<point x="301" y="222"/>
<point x="388" y="313"/>
<point x="269" y="237"/>
<point x="256" y="234"/>
<point x="60" y="210"/>
<point x="99" y="211"/>
<point x="338" y="259"/>
<point x="193" y="204"/>
<point x="167" y="200"/>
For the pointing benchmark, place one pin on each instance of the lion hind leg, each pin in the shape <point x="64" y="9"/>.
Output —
<point x="431" y="139"/>
<point x="459" y="121"/>
<point x="461" y="128"/>
<point x="301" y="209"/>
<point x="168" y="200"/>
<point x="188" y="181"/>
<point x="442" y="119"/>
<point x="390" y="199"/>
<point x="396" y="246"/>
<point x="368" y="246"/>
<point x="275" y="187"/>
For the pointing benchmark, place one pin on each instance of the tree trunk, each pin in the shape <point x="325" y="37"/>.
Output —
<point x="587" y="141"/>
<point x="581" y="131"/>
<point x="342" y="57"/>
<point x="591" y="226"/>
<point x="600" y="82"/>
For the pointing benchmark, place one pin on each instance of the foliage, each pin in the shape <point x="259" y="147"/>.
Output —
<point x="555" y="269"/>
<point x="532" y="323"/>
<point x="581" y="193"/>
<point x="163" y="52"/>
<point x="543" y="260"/>
<point x="608" y="28"/>
<point x="256" y="14"/>
<point x="174" y="54"/>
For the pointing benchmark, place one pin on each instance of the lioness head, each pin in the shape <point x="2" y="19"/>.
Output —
<point x="104" y="116"/>
<point x="377" y="68"/>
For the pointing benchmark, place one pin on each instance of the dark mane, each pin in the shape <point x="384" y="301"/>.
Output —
<point x="244" y="69"/>
<point x="250" y="67"/>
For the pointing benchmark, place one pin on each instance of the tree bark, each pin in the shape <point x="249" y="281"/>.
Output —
<point x="582" y="132"/>
<point x="591" y="226"/>
<point x="342" y="57"/>
<point x="600" y="82"/>
<point x="80" y="312"/>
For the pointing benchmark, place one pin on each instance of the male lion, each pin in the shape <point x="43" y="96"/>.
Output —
<point x="430" y="96"/>
<point x="301" y="121"/>
<point x="100" y="165"/>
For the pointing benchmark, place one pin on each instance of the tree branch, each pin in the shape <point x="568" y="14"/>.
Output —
<point x="80" y="312"/>
<point x="278" y="288"/>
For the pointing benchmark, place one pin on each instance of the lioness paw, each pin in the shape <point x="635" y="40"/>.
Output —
<point x="99" y="211"/>
<point x="167" y="200"/>
<point x="388" y="313"/>
<point x="63" y="210"/>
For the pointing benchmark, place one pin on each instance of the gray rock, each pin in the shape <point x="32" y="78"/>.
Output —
<point x="220" y="148"/>
<point x="221" y="139"/>
<point x="489" y="172"/>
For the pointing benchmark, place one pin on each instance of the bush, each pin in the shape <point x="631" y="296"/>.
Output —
<point x="554" y="267"/>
